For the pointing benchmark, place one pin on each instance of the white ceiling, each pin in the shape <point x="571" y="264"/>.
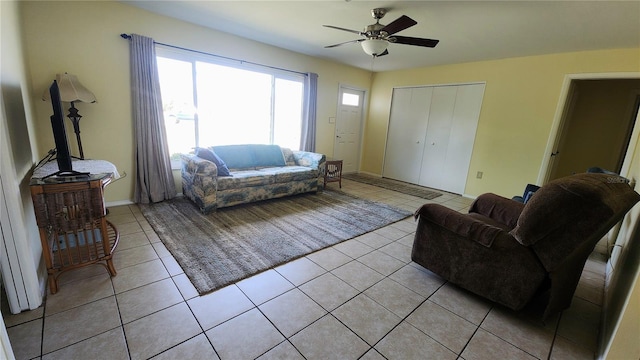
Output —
<point x="467" y="30"/>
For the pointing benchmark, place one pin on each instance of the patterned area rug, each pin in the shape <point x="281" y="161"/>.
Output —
<point x="395" y="185"/>
<point x="234" y="243"/>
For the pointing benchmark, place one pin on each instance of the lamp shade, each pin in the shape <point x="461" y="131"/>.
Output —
<point x="374" y="47"/>
<point x="71" y="90"/>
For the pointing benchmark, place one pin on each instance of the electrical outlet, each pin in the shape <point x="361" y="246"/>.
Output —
<point x="479" y="174"/>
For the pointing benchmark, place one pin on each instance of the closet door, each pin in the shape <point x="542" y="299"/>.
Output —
<point x="438" y="136"/>
<point x="405" y="137"/>
<point x="453" y="121"/>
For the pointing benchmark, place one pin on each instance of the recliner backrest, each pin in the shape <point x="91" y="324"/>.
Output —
<point x="567" y="212"/>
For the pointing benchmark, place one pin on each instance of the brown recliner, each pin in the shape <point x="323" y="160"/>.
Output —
<point x="516" y="254"/>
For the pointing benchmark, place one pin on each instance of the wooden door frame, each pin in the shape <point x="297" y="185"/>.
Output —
<point x="561" y="117"/>
<point x="363" y="115"/>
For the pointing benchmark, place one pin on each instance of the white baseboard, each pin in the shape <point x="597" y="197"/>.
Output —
<point x="127" y="202"/>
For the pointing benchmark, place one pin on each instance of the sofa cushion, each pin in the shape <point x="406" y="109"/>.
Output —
<point x="267" y="155"/>
<point x="236" y="156"/>
<point x="289" y="159"/>
<point x="244" y="179"/>
<point x="286" y="174"/>
<point x="210" y="155"/>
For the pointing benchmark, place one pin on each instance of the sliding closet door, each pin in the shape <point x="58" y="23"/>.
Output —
<point x="463" y="134"/>
<point x="438" y="136"/>
<point x="407" y="129"/>
<point x="453" y="121"/>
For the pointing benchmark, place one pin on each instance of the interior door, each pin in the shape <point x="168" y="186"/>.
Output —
<point x="405" y="138"/>
<point x="348" y="125"/>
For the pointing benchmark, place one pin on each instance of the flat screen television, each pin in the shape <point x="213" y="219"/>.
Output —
<point x="63" y="155"/>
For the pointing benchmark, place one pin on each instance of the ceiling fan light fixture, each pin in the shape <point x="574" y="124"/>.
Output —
<point x="374" y="47"/>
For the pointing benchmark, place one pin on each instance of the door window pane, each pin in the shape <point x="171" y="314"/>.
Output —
<point x="350" y="99"/>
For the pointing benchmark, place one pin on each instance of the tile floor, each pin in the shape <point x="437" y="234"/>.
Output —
<point x="361" y="299"/>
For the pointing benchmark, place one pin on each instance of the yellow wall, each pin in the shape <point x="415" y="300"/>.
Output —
<point x="82" y="38"/>
<point x="518" y="109"/>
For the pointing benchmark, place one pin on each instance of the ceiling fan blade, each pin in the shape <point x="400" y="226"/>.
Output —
<point x="343" y="29"/>
<point x="399" y="24"/>
<point x="385" y="52"/>
<point x="342" y="43"/>
<point x="414" y="41"/>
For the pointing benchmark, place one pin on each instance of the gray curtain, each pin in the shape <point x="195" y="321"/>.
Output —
<point x="309" y="106"/>
<point x="154" y="179"/>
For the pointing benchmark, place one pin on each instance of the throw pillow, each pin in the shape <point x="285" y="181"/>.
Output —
<point x="208" y="154"/>
<point x="288" y="157"/>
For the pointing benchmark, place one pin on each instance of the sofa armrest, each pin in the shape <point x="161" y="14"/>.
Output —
<point x="460" y="225"/>
<point x="309" y="159"/>
<point x="199" y="181"/>
<point x="498" y="208"/>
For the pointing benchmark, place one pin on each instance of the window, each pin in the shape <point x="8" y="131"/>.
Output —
<point x="208" y="102"/>
<point x="350" y="99"/>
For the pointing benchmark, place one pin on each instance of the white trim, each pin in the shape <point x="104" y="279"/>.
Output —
<point x="441" y="85"/>
<point x="119" y="203"/>
<point x="558" y="119"/>
<point x="6" y="352"/>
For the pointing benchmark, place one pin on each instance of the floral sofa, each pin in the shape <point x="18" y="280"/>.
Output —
<point x="222" y="176"/>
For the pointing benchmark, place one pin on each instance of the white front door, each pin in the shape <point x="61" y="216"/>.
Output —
<point x="348" y="125"/>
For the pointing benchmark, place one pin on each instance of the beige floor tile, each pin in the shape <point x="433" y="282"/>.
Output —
<point x="407" y="343"/>
<point x="417" y="279"/>
<point x="20" y="318"/>
<point x="442" y="325"/>
<point x="300" y="271"/>
<point x="264" y="286"/>
<point x="486" y="346"/>
<point x="532" y="338"/>
<point x="353" y="248"/>
<point x="219" y="306"/>
<point x="79" y="293"/>
<point x="81" y="273"/>
<point x="395" y="297"/>
<point x="329" y="258"/>
<point x="80" y="323"/>
<point x="26" y="339"/>
<point x="329" y="291"/>
<point x="398" y="250"/>
<point x="139" y="275"/>
<point x="358" y="275"/>
<point x="172" y="265"/>
<point x="374" y="240"/>
<point x="129" y="228"/>
<point x="197" y="348"/>
<point x="119" y="210"/>
<point x="580" y="323"/>
<point x="407" y="240"/>
<point x="132" y="240"/>
<point x="327" y="339"/>
<point x="231" y="339"/>
<point x="564" y="349"/>
<point x="133" y="256"/>
<point x="356" y="314"/>
<point x="142" y="301"/>
<point x="121" y="219"/>
<point x="292" y="311"/>
<point x="372" y="354"/>
<point x="408" y="225"/>
<point x="185" y="286"/>
<point x="391" y="233"/>
<point x="106" y="346"/>
<point x="284" y="351"/>
<point x="462" y="303"/>
<point x="381" y="262"/>
<point x="161" y="250"/>
<point x="160" y="331"/>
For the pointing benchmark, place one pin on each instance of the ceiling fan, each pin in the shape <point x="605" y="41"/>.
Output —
<point x="377" y="36"/>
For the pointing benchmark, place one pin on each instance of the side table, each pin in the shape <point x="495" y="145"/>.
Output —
<point x="333" y="172"/>
<point x="71" y="216"/>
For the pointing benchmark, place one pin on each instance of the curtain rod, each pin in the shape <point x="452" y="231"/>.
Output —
<point x="128" y="37"/>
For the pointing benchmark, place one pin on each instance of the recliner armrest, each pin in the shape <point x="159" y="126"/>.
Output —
<point x="460" y="224"/>
<point x="498" y="208"/>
